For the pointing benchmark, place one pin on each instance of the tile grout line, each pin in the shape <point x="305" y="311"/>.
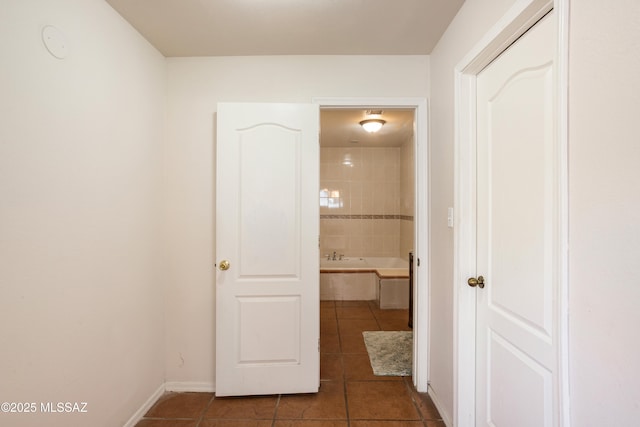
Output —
<point x="344" y="379"/>
<point x="374" y="316"/>
<point x="413" y="400"/>
<point x="275" y="411"/>
<point x="344" y="374"/>
<point x="204" y="412"/>
<point x="346" y="401"/>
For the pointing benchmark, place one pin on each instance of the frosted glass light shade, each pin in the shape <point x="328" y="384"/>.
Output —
<point x="372" y="125"/>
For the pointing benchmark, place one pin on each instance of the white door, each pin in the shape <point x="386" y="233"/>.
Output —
<point x="517" y="240"/>
<point x="267" y="228"/>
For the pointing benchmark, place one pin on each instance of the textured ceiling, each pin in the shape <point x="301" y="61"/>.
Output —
<point x="289" y="27"/>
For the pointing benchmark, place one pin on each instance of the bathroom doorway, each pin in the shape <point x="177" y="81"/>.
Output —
<point x="373" y="198"/>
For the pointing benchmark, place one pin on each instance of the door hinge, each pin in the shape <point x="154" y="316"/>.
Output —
<point x="318" y="345"/>
<point x="418" y="262"/>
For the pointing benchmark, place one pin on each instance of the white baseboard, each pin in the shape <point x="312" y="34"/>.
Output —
<point x="182" y="386"/>
<point x="176" y="386"/>
<point x="145" y="407"/>
<point x="446" y="418"/>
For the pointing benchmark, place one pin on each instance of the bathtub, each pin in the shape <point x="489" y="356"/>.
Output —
<point x="359" y="263"/>
<point x="347" y="263"/>
<point x="385" y="279"/>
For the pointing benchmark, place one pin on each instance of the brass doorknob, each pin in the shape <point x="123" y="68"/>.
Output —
<point x="224" y="265"/>
<point x="473" y="282"/>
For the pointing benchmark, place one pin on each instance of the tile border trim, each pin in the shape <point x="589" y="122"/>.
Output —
<point x="403" y="217"/>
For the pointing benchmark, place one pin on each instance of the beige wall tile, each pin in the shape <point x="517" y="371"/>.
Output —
<point x="376" y="183"/>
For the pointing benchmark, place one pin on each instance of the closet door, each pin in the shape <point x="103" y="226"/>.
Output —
<point x="517" y="235"/>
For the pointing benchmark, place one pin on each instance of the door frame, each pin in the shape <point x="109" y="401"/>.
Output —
<point x="420" y="372"/>
<point x="518" y="19"/>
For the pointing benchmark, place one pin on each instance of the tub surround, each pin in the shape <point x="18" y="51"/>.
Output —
<point x="384" y="279"/>
<point x="393" y="293"/>
<point x="383" y="267"/>
<point x="393" y="273"/>
<point x="381" y="273"/>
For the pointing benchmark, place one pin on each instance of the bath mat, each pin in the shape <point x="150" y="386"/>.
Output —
<point x="390" y="352"/>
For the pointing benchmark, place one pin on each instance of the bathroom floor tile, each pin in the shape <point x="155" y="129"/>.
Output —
<point x="236" y="423"/>
<point x="354" y="313"/>
<point x="327" y="310"/>
<point x="255" y="407"/>
<point x="311" y="423"/>
<point x="180" y="405"/>
<point x="424" y="403"/>
<point x="352" y="343"/>
<point x="331" y="367"/>
<point x="148" y="422"/>
<point x="329" y="343"/>
<point x="352" y="304"/>
<point x="380" y="400"/>
<point x="394" y="325"/>
<point x="387" y="423"/>
<point x="328" y="326"/>
<point x="354" y="326"/>
<point x="327" y="304"/>
<point x="358" y="367"/>
<point x="328" y="403"/>
<point x="390" y="314"/>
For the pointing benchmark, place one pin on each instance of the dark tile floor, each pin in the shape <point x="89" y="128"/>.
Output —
<point x="350" y="395"/>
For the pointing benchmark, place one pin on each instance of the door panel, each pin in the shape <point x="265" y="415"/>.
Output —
<point x="517" y="234"/>
<point x="259" y="341"/>
<point x="529" y="383"/>
<point x="267" y="227"/>
<point x="269" y="195"/>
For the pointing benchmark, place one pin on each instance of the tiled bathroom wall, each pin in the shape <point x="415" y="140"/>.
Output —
<point x="363" y="205"/>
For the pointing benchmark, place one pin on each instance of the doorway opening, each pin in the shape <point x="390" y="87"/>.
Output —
<point x="373" y="205"/>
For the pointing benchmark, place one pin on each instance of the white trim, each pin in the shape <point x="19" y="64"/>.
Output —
<point x="436" y="401"/>
<point x="520" y="17"/>
<point x="421" y="249"/>
<point x="464" y="260"/>
<point x="175" y="386"/>
<point x="139" y="414"/>
<point x="562" y="18"/>
<point x="182" y="386"/>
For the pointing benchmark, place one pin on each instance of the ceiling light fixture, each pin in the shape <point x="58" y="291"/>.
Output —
<point x="372" y="125"/>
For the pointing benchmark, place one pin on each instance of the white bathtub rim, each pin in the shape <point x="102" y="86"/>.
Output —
<point x="370" y="264"/>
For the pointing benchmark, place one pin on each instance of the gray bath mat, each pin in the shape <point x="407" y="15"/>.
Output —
<point x="389" y="352"/>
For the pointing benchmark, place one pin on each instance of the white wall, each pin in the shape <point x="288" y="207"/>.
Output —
<point x="195" y="85"/>
<point x="472" y="21"/>
<point x="604" y="193"/>
<point x="81" y="291"/>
